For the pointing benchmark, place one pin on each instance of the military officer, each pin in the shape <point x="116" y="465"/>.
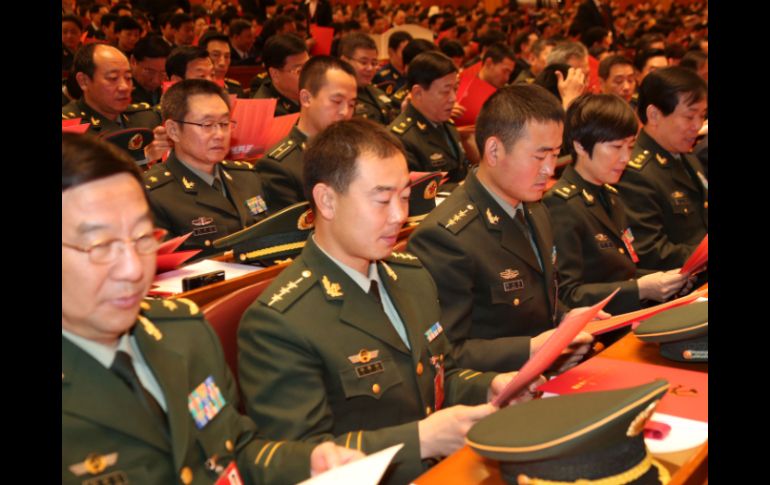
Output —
<point x="392" y="76"/>
<point x="195" y="190"/>
<point x="104" y="76"/>
<point x="664" y="187"/>
<point x="490" y="247"/>
<point x="283" y="55"/>
<point x="347" y="343"/>
<point x="361" y="52"/>
<point x="327" y="94"/>
<point x="425" y="127"/>
<point x="218" y="47"/>
<point x="130" y="367"/>
<point x="593" y="241"/>
<point x="148" y="68"/>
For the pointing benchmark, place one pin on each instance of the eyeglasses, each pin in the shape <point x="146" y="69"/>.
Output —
<point x="106" y="252"/>
<point x="210" y="126"/>
<point x="374" y="63"/>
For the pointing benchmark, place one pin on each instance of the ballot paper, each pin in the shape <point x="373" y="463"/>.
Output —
<point x="366" y="471"/>
<point x="698" y="258"/>
<point x="170" y="283"/>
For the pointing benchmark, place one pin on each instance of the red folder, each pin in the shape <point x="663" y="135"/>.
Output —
<point x="323" y="40"/>
<point x="698" y="259"/>
<point x="687" y="396"/>
<point x="476" y="91"/>
<point x="553" y="347"/>
<point x="250" y="136"/>
<point x="168" y="259"/>
<point x="74" y="127"/>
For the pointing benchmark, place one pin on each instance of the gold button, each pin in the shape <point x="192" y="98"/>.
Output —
<point x="376" y="388"/>
<point x="186" y="475"/>
<point x="306" y="274"/>
<point x="229" y="445"/>
<point x="419" y="368"/>
<point x="243" y="257"/>
<point x="428" y="410"/>
<point x="621" y="251"/>
<point x="686" y="210"/>
<point x="207" y="243"/>
<point x="516" y="302"/>
<point x="166" y="173"/>
<point x="706" y="205"/>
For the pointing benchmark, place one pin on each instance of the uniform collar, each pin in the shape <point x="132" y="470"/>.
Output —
<point x="363" y="281"/>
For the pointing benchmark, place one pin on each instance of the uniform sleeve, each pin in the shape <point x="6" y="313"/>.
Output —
<point x="273" y="361"/>
<point x="570" y="232"/>
<point x="452" y="270"/>
<point x="281" y="188"/>
<point x="645" y="215"/>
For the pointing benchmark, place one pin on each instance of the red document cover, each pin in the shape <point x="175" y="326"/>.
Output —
<point x="553" y="347"/>
<point x="698" y="258"/>
<point x="167" y="262"/>
<point x="473" y="98"/>
<point x="253" y="118"/>
<point x="323" y="40"/>
<point x="687" y="396"/>
<point x="75" y="128"/>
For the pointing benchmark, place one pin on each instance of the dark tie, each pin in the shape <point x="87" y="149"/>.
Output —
<point x="527" y="231"/>
<point x="374" y="290"/>
<point x="218" y="186"/>
<point x="123" y="367"/>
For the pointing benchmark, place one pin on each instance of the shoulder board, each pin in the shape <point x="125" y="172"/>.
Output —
<point x="237" y="165"/>
<point x="610" y="188"/>
<point x="133" y="108"/>
<point x="402" y="124"/>
<point x="403" y="258"/>
<point x="565" y="190"/>
<point x="400" y="94"/>
<point x="384" y="72"/>
<point x="640" y="160"/>
<point x="262" y="75"/>
<point x="157" y="176"/>
<point x="459" y="219"/>
<point x="293" y="282"/>
<point x="232" y="81"/>
<point x="169" y="308"/>
<point x="283" y="149"/>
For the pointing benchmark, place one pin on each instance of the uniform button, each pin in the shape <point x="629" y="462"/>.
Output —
<point x="229" y="445"/>
<point x="186" y="476"/>
<point x="686" y="210"/>
<point x="376" y="388"/>
<point x="243" y="257"/>
<point x="428" y="410"/>
<point x="516" y="302"/>
<point x="207" y="243"/>
<point x="621" y="251"/>
<point x="706" y="205"/>
<point x="419" y="368"/>
<point x="306" y="274"/>
<point x="469" y="206"/>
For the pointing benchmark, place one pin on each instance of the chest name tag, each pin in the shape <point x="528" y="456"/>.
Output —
<point x="513" y="285"/>
<point x="205" y="402"/>
<point x="367" y="370"/>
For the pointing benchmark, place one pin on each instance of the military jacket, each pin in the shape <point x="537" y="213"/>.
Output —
<point x="284" y="106"/>
<point x="138" y="115"/>
<point x="281" y="170"/>
<point x="427" y="146"/>
<point x="666" y="202"/>
<point x="141" y="95"/>
<point x="234" y="87"/>
<point x="374" y="104"/>
<point x="593" y="257"/>
<point x="389" y="80"/>
<point x="493" y="293"/>
<point x="319" y="359"/>
<point x="181" y="202"/>
<point x="108" y="437"/>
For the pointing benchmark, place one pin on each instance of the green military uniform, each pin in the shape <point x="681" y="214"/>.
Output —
<point x="234" y="88"/>
<point x="374" y="104"/>
<point x="318" y="359"/>
<point x="138" y="115"/>
<point x="593" y="257"/>
<point x="281" y="170"/>
<point x="667" y="204"/>
<point x="284" y="106"/>
<point x="388" y="79"/>
<point x="182" y="202"/>
<point x="399" y="96"/>
<point x="493" y="293"/>
<point x="431" y="148"/>
<point x="141" y="95"/>
<point x="108" y="437"/>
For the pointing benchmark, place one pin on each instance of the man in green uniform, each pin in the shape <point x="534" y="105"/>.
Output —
<point x="425" y="126"/>
<point x="148" y="68"/>
<point x="346" y="342"/>
<point x="327" y="94"/>
<point x="392" y="76"/>
<point x="283" y="55"/>
<point x="489" y="246"/>
<point x="664" y="187"/>
<point x="361" y="52"/>
<point x="104" y="75"/>
<point x="196" y="190"/>
<point x="146" y="394"/>
<point x="218" y="47"/>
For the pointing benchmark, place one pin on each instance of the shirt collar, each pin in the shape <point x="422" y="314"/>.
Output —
<point x="363" y="281"/>
<point x="104" y="354"/>
<point x="508" y="208"/>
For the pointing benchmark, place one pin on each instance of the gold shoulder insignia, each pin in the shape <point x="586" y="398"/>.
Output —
<point x="588" y="197"/>
<point x="187" y="184"/>
<point x="384" y="72"/>
<point x="611" y="188"/>
<point x="237" y="165"/>
<point x="332" y="289"/>
<point x="170" y="305"/>
<point x="640" y="160"/>
<point x="456" y="218"/>
<point x="149" y="327"/>
<point x="282" y="150"/>
<point x="287" y="288"/>
<point x="460" y="219"/>
<point x="422" y="126"/>
<point x="661" y="159"/>
<point x="191" y="305"/>
<point x="493" y="219"/>
<point x="406" y="256"/>
<point x="95" y="121"/>
<point x="565" y="192"/>
<point x="390" y="271"/>
<point x="232" y="81"/>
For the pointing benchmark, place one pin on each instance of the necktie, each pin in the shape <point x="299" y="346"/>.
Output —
<point x="528" y="233"/>
<point x="123" y="367"/>
<point x="374" y="290"/>
<point x="217" y="185"/>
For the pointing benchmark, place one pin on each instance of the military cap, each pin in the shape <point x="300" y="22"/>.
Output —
<point x="591" y="437"/>
<point x="682" y="332"/>
<point x="422" y="198"/>
<point x="280" y="236"/>
<point x="132" y="140"/>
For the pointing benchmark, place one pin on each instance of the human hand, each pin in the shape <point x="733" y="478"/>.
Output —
<point x="327" y="455"/>
<point x="457" y="110"/>
<point x="571" y="87"/>
<point x="161" y="143"/>
<point x="443" y="432"/>
<point x="501" y="380"/>
<point x="573" y="353"/>
<point x="661" y="285"/>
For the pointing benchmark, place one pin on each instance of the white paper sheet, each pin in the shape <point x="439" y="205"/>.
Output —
<point x="171" y="281"/>
<point x="366" y="471"/>
<point x="684" y="434"/>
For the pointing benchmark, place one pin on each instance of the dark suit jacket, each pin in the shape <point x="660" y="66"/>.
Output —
<point x="323" y="13"/>
<point x="494" y="296"/>
<point x="588" y="15"/>
<point x="101" y="417"/>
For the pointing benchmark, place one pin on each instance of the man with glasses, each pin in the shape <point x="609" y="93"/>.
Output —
<point x="283" y="55"/>
<point x="361" y="52"/>
<point x="130" y="366"/>
<point x="148" y="67"/>
<point x="195" y="190"/>
<point x="218" y="47"/>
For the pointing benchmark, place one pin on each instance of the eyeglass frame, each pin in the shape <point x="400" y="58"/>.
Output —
<point x="156" y="234"/>
<point x="209" y="127"/>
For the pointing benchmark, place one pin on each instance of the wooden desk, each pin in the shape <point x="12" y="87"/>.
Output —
<point x="209" y="293"/>
<point x="468" y="468"/>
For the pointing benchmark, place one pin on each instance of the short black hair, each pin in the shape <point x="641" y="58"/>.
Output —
<point x="109" y="18"/>
<point x="174" y="104"/>
<point x="665" y="88"/>
<point x="180" y="57"/>
<point x="397" y="37"/>
<point x="73" y="19"/>
<point x="127" y="23"/>
<point x="593" y="35"/>
<point x="427" y="67"/>
<point x="151" y="46"/>
<point x="498" y="52"/>
<point x="210" y="36"/>
<point x="237" y="26"/>
<point x="451" y="48"/>
<point x="84" y="59"/>
<point x="120" y="6"/>
<point x="674" y="50"/>
<point x="597" y="118"/>
<point x="415" y="47"/>
<point x="521" y="39"/>
<point x="645" y="55"/>
<point x="279" y="47"/>
<point x="178" y="19"/>
<point x="693" y="60"/>
<point x="352" y="42"/>
<point x="332" y="155"/>
<point x="86" y="158"/>
<point x="506" y="113"/>
<point x="313" y="73"/>
<point x="606" y="65"/>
